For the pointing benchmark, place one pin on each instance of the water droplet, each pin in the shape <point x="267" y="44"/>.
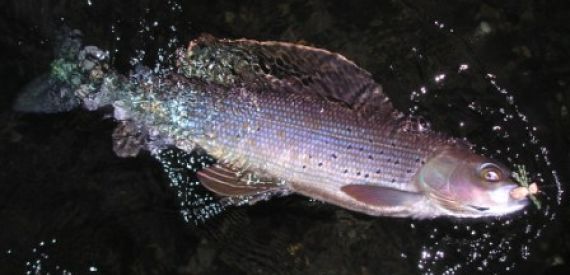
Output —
<point x="439" y="77"/>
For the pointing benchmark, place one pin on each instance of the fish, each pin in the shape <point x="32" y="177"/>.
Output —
<point x="238" y="121"/>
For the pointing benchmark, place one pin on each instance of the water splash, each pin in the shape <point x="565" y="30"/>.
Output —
<point x="43" y="259"/>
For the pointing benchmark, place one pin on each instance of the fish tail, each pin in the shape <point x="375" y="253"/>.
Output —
<point x="46" y="94"/>
<point x="59" y="90"/>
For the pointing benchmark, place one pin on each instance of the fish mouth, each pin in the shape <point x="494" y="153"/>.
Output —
<point x="478" y="208"/>
<point x="502" y="202"/>
<point x="470" y="210"/>
<point x="499" y="210"/>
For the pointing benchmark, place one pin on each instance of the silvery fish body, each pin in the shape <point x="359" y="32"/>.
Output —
<point x="282" y="118"/>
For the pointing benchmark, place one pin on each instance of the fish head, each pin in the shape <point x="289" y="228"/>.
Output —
<point x="462" y="183"/>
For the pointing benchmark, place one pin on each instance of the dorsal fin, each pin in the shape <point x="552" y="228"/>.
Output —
<point x="282" y="66"/>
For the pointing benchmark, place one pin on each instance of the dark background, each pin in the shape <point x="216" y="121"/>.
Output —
<point x="59" y="178"/>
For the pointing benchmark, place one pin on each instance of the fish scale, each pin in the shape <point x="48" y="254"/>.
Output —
<point x="288" y="137"/>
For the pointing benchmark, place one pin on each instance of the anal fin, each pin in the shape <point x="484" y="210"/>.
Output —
<point x="225" y="181"/>
<point x="237" y="186"/>
<point x="205" y="189"/>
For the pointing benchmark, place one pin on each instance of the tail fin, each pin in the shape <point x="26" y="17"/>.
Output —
<point x="46" y="94"/>
<point x="52" y="92"/>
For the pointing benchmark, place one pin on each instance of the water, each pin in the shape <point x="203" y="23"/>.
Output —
<point x="491" y="74"/>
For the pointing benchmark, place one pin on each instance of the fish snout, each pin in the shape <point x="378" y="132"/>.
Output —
<point x="505" y="199"/>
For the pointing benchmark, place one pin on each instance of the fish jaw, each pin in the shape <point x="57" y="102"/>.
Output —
<point x="509" y="205"/>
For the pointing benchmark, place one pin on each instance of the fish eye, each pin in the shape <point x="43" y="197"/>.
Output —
<point x="491" y="173"/>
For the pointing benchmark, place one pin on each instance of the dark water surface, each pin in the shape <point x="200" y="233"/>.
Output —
<point x="497" y="74"/>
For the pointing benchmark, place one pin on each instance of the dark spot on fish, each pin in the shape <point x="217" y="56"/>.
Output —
<point x="334" y="156"/>
<point x="397" y="162"/>
<point x="361" y="149"/>
<point x="345" y="171"/>
<point x="378" y="171"/>
<point x="409" y="171"/>
<point x="389" y="160"/>
<point x="349" y="147"/>
<point x="258" y="128"/>
<point x="418" y="160"/>
<point x="393" y="144"/>
<point x="382" y="152"/>
<point x="358" y="173"/>
<point x="366" y="175"/>
<point x="320" y="164"/>
<point x="310" y="156"/>
<point x="423" y="162"/>
<point x="348" y="129"/>
<point x="370" y="140"/>
<point x="304" y="166"/>
<point x="370" y="157"/>
<point x="393" y="180"/>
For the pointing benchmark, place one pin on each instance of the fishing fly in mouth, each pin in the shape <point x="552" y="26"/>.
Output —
<point x="255" y="120"/>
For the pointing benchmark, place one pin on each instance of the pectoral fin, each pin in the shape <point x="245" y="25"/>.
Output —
<point x="381" y="196"/>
